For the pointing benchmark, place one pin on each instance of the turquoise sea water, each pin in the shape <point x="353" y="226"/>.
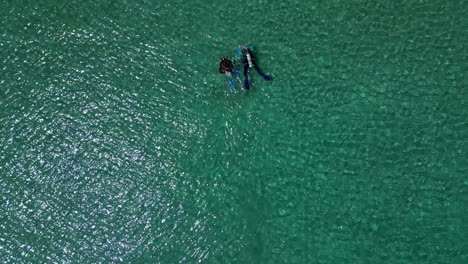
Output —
<point x="120" y="142"/>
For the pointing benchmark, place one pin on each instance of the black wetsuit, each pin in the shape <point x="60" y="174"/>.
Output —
<point x="249" y="61"/>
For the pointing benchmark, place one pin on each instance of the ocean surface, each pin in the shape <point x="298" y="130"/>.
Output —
<point x="121" y="143"/>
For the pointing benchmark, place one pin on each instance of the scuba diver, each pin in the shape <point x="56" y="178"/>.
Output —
<point x="249" y="61"/>
<point x="227" y="67"/>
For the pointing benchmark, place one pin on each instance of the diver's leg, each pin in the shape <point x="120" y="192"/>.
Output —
<point x="265" y="77"/>
<point x="246" y="76"/>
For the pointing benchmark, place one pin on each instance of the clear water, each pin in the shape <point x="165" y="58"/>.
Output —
<point x="120" y="142"/>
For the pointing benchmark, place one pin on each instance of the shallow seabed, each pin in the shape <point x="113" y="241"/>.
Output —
<point x="120" y="142"/>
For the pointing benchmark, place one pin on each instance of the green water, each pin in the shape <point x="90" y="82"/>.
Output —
<point x="120" y="142"/>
